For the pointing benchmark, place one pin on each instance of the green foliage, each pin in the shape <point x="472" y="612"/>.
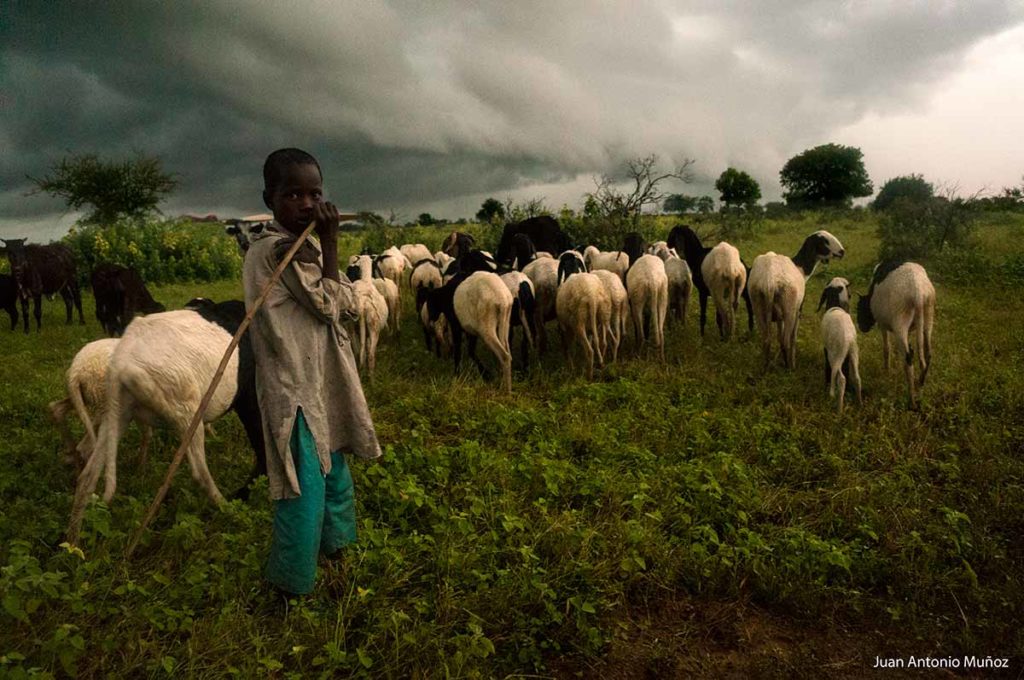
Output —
<point x="907" y="187"/>
<point x="776" y="210"/>
<point x="129" y="189"/>
<point x="424" y="220"/>
<point x="737" y="188"/>
<point x="490" y="210"/>
<point x="705" y="205"/>
<point x="916" y="229"/>
<point x="163" y="251"/>
<point x="827" y="175"/>
<point x="679" y="203"/>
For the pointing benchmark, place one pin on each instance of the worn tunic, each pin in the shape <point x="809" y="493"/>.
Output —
<point x="304" y="358"/>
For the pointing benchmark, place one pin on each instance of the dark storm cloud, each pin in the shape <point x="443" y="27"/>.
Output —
<point x="407" y="103"/>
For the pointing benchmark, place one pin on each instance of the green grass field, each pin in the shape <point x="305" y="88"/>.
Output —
<point x="698" y="517"/>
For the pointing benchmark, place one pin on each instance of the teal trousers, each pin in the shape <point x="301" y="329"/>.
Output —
<point x="321" y="520"/>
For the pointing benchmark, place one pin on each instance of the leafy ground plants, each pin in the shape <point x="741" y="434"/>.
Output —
<point x="696" y="518"/>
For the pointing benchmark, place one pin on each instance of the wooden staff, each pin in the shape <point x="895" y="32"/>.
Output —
<point x="198" y="417"/>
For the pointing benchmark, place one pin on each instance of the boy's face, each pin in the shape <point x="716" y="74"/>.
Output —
<point x="294" y="198"/>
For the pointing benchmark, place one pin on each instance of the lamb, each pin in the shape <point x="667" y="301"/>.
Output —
<point x="901" y="300"/>
<point x="86" y="381"/>
<point x="647" y="286"/>
<point x="777" y="285"/>
<point x="480" y="304"/>
<point x="725" y="276"/>
<point x="680" y="283"/>
<point x="615" y="261"/>
<point x="159" y="371"/>
<point x="524" y="311"/>
<point x="840" y="340"/>
<point x="619" y="300"/>
<point x="584" y="309"/>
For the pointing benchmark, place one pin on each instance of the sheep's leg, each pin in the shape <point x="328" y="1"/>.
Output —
<point x="59" y="413"/>
<point x="885" y="350"/>
<point x="65" y="295"/>
<point x="371" y="354"/>
<point x="841" y="379"/>
<point x="147" y="437"/>
<point x="456" y="344"/>
<point x="922" y="359"/>
<point x="502" y="354"/>
<point x="685" y="306"/>
<point x="662" y="311"/>
<point x="196" y="453"/>
<point x="115" y="420"/>
<point x="794" y="325"/>
<point x="588" y="354"/>
<point x="854" y="360"/>
<point x="703" y="311"/>
<point x="903" y="345"/>
<point x="37" y="310"/>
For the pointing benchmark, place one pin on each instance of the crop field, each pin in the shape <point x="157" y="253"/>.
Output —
<point x="699" y="517"/>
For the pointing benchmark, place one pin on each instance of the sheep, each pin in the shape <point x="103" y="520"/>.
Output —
<point x="619" y="300"/>
<point x="839" y="338"/>
<point x="457" y="243"/>
<point x="584" y="309"/>
<point x="543" y="272"/>
<point x="371" y="309"/>
<point x="687" y="244"/>
<point x="414" y="253"/>
<point x="545" y="254"/>
<point x="659" y="248"/>
<point x="389" y="291"/>
<point x="86" y="381"/>
<point x="480" y="304"/>
<point x="442" y="258"/>
<point x="647" y="286"/>
<point x="680" y="283"/>
<point x="777" y="285"/>
<point x="435" y="333"/>
<point x="901" y="300"/>
<point x="615" y="261"/>
<point x="725" y="276"/>
<point x="524" y="312"/>
<point x="425" y="274"/>
<point x="392" y="264"/>
<point x="159" y="370"/>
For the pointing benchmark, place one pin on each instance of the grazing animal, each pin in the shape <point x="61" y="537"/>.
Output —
<point x="457" y="243"/>
<point x="9" y="298"/>
<point x="777" y="285"/>
<point x="647" y="286"/>
<point x="726" y="277"/>
<point x="584" y="310"/>
<point x="543" y="272"/>
<point x="901" y="300"/>
<point x="442" y="258"/>
<point x="479" y="304"/>
<point x="619" y="300"/>
<point x="634" y="246"/>
<point x="544" y="233"/>
<point x="615" y="261"/>
<point x="426" y="273"/>
<point x="680" y="283"/>
<point x="389" y="291"/>
<point x="159" y="371"/>
<point x="524" y="311"/>
<point x="44" y="270"/>
<point x="523" y="251"/>
<point x="839" y="338"/>
<point x="120" y="294"/>
<point x="391" y="264"/>
<point x="413" y="253"/>
<point x="686" y="242"/>
<point x="371" y="312"/>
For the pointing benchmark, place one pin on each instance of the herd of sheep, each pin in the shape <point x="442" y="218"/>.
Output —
<point x="161" y="366"/>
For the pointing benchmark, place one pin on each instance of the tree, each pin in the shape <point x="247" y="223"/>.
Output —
<point x="131" y="188"/>
<point x="705" y="204"/>
<point x="737" y="188"/>
<point x="910" y="187"/>
<point x="679" y="203"/>
<point x="644" y="180"/>
<point x="827" y="175"/>
<point x="425" y="220"/>
<point x="491" y="209"/>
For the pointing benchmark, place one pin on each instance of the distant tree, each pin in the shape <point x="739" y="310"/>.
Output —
<point x="644" y="181"/>
<point x="517" y="212"/>
<point x="910" y="187"/>
<point x="705" y="205"/>
<point x="131" y="188"/>
<point x="775" y="210"/>
<point x="827" y="175"/>
<point x="371" y="220"/>
<point x="491" y="209"/>
<point x="679" y="203"/>
<point x="425" y="220"/>
<point x="737" y="188"/>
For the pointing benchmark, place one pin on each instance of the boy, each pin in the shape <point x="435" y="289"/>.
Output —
<point x="307" y="382"/>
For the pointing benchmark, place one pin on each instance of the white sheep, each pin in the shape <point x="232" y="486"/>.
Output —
<point x="614" y="261"/>
<point x="372" y="312"/>
<point x="777" y="285"/>
<point x="680" y="283"/>
<point x="442" y="258"/>
<point x="543" y="272"/>
<point x="619" y="309"/>
<point x="584" y="313"/>
<point x="901" y="300"/>
<point x="839" y="338"/>
<point x="391" y="264"/>
<point x="415" y="253"/>
<point x="425" y="274"/>
<point x="389" y="291"/>
<point x="647" y="286"/>
<point x="86" y="381"/>
<point x="725" y="277"/>
<point x="524" y="309"/>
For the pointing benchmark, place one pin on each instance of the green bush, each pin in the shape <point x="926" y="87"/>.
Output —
<point x="163" y="251"/>
<point x="916" y="229"/>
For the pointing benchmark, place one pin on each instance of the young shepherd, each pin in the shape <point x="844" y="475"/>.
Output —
<point x="840" y="340"/>
<point x="901" y="300"/>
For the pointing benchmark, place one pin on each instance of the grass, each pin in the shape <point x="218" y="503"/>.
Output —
<point x="698" y="517"/>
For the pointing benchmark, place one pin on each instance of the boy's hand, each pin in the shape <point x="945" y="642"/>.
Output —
<point x="326" y="216"/>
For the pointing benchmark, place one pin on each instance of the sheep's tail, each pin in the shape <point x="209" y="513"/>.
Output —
<point x="78" y="402"/>
<point x="504" y="323"/>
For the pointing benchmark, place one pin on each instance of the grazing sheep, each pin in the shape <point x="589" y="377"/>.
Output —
<point x="524" y="311"/>
<point x="86" y="381"/>
<point x="543" y="272"/>
<point x="584" y="310"/>
<point x="647" y="286"/>
<point x="901" y="300"/>
<point x="777" y="285"/>
<point x="839" y="338"/>
<point x="391" y="263"/>
<point x="684" y="241"/>
<point x="619" y="300"/>
<point x="545" y="254"/>
<point x="479" y="304"/>
<point x="442" y="258"/>
<point x="425" y="274"/>
<point x="435" y="333"/>
<point x="680" y="283"/>
<point x="159" y="371"/>
<point x="659" y="248"/>
<point x="725" y="276"/>
<point x="414" y="253"/>
<point x="371" y="310"/>
<point x="615" y="261"/>
<point x="389" y="291"/>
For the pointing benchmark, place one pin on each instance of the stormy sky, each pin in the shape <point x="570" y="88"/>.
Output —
<point x="414" y="106"/>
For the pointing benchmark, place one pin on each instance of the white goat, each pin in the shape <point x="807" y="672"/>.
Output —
<point x="483" y="308"/>
<point x="901" y="300"/>
<point x="584" y="309"/>
<point x="839" y="337"/>
<point x="543" y="272"/>
<point x="680" y="283"/>
<point x="725" y="277"/>
<point x="647" y="286"/>
<point x="619" y="309"/>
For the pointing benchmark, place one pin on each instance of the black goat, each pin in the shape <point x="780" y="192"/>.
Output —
<point x="120" y="294"/>
<point x="44" y="270"/>
<point x="543" y="231"/>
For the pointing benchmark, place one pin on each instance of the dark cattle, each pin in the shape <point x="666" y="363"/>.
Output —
<point x="543" y="231"/>
<point x="9" y="298"/>
<point x="44" y="270"/>
<point x="634" y="246"/>
<point x="687" y="243"/>
<point x="120" y="294"/>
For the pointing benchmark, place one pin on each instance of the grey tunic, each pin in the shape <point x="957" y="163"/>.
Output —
<point x="304" y="358"/>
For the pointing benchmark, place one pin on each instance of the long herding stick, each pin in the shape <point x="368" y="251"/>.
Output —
<point x="198" y="417"/>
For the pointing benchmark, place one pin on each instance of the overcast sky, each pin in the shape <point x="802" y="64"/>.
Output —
<point x="415" y="107"/>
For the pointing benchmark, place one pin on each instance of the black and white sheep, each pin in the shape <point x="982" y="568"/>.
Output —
<point x="524" y="311"/>
<point x="901" y="300"/>
<point x="619" y="299"/>
<point x="839" y="337"/>
<point x="584" y="310"/>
